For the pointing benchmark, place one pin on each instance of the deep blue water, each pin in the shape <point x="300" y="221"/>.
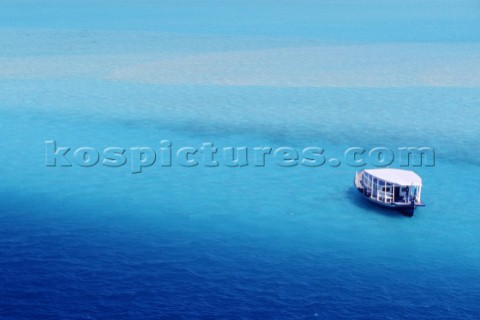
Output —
<point x="237" y="243"/>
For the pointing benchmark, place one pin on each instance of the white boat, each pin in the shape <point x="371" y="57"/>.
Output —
<point x="391" y="188"/>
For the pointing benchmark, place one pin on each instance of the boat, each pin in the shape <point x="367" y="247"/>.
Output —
<point x="391" y="188"/>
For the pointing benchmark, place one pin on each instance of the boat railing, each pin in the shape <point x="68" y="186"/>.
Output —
<point x="385" y="196"/>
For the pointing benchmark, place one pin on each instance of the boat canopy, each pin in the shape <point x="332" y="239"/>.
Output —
<point x="396" y="176"/>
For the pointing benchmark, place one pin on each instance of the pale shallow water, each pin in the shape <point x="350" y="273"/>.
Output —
<point x="272" y="242"/>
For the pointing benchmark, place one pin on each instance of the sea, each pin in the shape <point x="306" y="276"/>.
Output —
<point x="236" y="242"/>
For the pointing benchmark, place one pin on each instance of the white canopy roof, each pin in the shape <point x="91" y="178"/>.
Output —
<point x="397" y="176"/>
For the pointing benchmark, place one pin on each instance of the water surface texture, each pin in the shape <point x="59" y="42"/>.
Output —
<point x="247" y="242"/>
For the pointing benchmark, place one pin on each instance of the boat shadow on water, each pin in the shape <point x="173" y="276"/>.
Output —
<point x="357" y="199"/>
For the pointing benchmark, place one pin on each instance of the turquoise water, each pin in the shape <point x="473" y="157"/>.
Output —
<point x="249" y="242"/>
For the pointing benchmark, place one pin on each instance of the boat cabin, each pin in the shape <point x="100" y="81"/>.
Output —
<point x="390" y="186"/>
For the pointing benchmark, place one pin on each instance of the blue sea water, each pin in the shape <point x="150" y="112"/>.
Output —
<point x="237" y="243"/>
